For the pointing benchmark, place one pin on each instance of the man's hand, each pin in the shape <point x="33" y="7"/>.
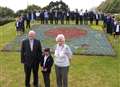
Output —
<point x="44" y="69"/>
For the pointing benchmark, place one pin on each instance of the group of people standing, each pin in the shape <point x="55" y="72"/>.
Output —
<point x="112" y="25"/>
<point x="57" y="17"/>
<point x="62" y="17"/>
<point x="68" y="17"/>
<point x="32" y="56"/>
<point x="20" y="25"/>
<point x="24" y="21"/>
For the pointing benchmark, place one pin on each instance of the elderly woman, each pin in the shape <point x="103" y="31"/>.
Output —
<point x="62" y="61"/>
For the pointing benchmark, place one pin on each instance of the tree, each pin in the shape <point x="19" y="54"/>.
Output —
<point x="110" y="6"/>
<point x="20" y="12"/>
<point x="58" y="5"/>
<point x="5" y="12"/>
<point x="33" y="8"/>
<point x="30" y="8"/>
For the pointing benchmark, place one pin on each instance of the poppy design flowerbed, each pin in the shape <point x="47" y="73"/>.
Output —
<point x="82" y="39"/>
<point x="69" y="33"/>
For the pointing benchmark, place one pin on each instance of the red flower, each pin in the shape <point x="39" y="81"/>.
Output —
<point x="67" y="32"/>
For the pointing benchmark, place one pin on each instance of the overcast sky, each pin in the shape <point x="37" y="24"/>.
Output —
<point x="73" y="4"/>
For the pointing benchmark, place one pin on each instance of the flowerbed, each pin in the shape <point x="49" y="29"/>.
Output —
<point x="81" y="39"/>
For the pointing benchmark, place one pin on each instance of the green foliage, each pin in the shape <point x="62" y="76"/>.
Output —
<point x="58" y="5"/>
<point x="118" y="17"/>
<point x="33" y="8"/>
<point x="19" y="12"/>
<point x="4" y="11"/>
<point x="30" y="8"/>
<point x="110" y="6"/>
<point x="2" y="22"/>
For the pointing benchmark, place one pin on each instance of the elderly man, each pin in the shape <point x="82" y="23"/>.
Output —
<point x="31" y="52"/>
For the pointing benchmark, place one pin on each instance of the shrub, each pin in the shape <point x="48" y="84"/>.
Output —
<point x="5" y="20"/>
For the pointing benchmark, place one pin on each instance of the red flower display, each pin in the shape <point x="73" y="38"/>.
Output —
<point x="67" y="32"/>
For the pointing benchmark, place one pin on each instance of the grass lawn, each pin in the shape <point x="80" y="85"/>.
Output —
<point x="85" y="71"/>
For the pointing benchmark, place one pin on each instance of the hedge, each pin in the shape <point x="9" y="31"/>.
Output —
<point x="5" y="20"/>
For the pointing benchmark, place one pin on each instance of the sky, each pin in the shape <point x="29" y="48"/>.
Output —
<point x="73" y="4"/>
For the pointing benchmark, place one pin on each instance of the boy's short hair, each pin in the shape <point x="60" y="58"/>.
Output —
<point x="47" y="50"/>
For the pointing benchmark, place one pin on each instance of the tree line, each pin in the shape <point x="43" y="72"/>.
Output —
<point x="110" y="6"/>
<point x="58" y="5"/>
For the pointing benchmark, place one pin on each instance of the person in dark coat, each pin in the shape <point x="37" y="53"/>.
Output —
<point x="22" y="20"/>
<point x="51" y="17"/>
<point x="116" y="29"/>
<point x="31" y="52"/>
<point x="86" y="17"/>
<point x="68" y="17"/>
<point x="97" y="17"/>
<point x="62" y="16"/>
<point x="77" y="17"/>
<point x="28" y="20"/>
<point x="110" y="23"/>
<point x="46" y="16"/>
<point x="104" y="20"/>
<point x="18" y="26"/>
<point x="72" y="16"/>
<point x="42" y="17"/>
<point x="56" y="15"/>
<point x="34" y="15"/>
<point x="81" y="16"/>
<point x="46" y="64"/>
<point x="91" y="17"/>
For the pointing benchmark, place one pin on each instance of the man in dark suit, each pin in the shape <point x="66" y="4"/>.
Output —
<point x="51" y="16"/>
<point x="86" y="17"/>
<point x="62" y="14"/>
<point x="56" y="15"/>
<point x="28" y="20"/>
<point x="91" y="17"/>
<point x="97" y="17"/>
<point x="42" y="17"/>
<point x="81" y="16"/>
<point x="109" y="23"/>
<point x="31" y="53"/>
<point x="67" y="17"/>
<point x="77" y="17"/>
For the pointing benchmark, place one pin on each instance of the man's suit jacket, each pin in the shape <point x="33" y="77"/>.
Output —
<point x="31" y="57"/>
<point x="48" y="63"/>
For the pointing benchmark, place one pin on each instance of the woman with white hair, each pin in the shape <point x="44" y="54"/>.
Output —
<point x="63" y="56"/>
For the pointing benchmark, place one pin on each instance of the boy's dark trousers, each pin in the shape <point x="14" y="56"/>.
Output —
<point x="46" y="76"/>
